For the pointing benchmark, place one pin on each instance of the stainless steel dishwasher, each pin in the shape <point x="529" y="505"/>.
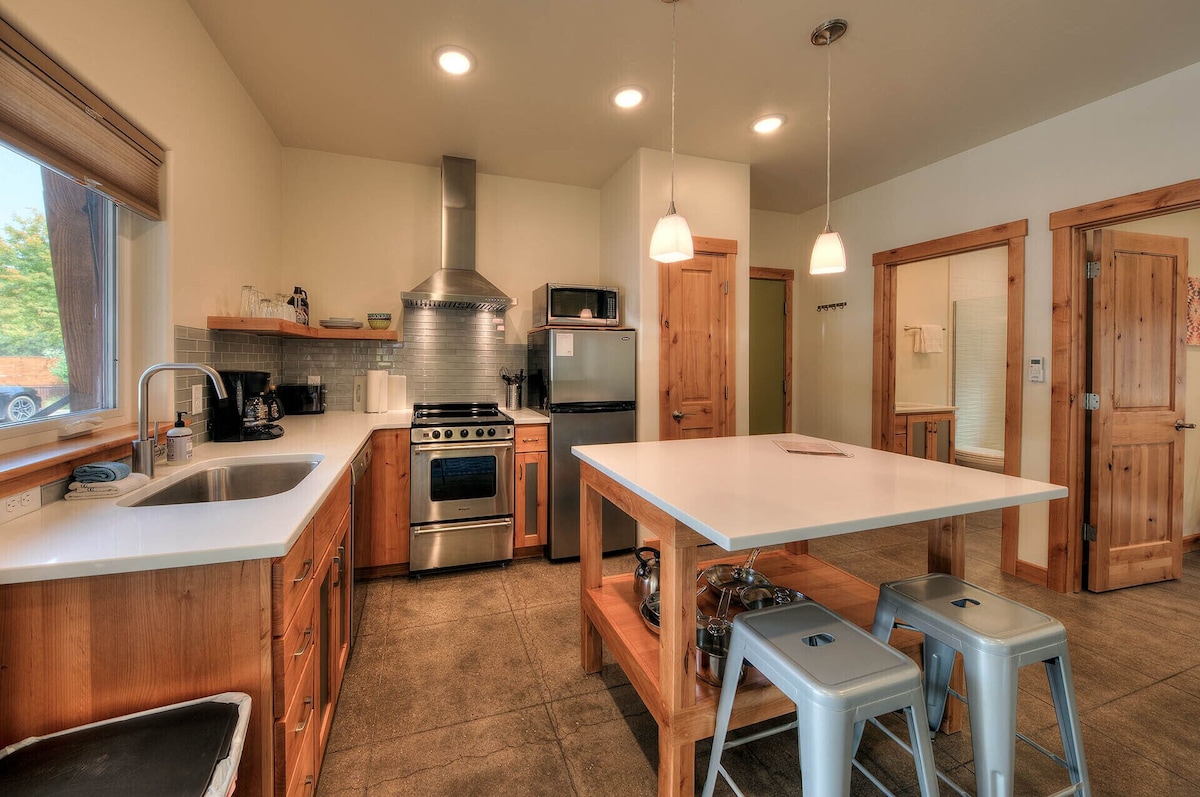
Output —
<point x="360" y="519"/>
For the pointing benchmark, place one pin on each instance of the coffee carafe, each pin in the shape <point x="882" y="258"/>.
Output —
<point x="245" y="415"/>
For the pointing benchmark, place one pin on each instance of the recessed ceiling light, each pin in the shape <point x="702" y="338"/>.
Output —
<point x="768" y="124"/>
<point x="455" y="60"/>
<point x="628" y="96"/>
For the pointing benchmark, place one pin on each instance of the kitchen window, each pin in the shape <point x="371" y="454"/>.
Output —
<point x="58" y="308"/>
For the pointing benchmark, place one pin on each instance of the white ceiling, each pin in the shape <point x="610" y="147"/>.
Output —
<point x="913" y="82"/>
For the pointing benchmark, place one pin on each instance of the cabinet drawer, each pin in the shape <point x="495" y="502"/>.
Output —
<point x="290" y="576"/>
<point x="532" y="437"/>
<point x="290" y="653"/>
<point x="329" y="516"/>
<point x="304" y="779"/>
<point x="293" y="733"/>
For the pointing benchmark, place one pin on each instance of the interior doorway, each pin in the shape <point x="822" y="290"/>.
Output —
<point x="770" y="350"/>
<point x="886" y="431"/>
<point x="1171" y="211"/>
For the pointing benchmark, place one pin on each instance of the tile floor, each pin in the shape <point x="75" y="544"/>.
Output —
<point x="469" y="683"/>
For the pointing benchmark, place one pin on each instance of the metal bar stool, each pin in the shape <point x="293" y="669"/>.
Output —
<point x="837" y="675"/>
<point x="996" y="636"/>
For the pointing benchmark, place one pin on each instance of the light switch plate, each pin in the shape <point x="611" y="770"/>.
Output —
<point x="314" y="380"/>
<point x="197" y="399"/>
<point x="1037" y="369"/>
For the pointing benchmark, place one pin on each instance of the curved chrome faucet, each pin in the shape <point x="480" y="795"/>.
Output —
<point x="145" y="448"/>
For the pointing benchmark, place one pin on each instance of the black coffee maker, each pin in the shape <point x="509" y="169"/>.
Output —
<point x="246" y="414"/>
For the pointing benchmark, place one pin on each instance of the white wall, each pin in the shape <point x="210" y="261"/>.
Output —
<point x="358" y="232"/>
<point x="1135" y="140"/>
<point x="714" y="197"/>
<point x="152" y="61"/>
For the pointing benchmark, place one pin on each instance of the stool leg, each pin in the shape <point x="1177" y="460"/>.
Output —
<point x="826" y="749"/>
<point x="1062" y="689"/>
<point x="729" y="687"/>
<point x="885" y="618"/>
<point x="992" y="688"/>
<point x="918" y="738"/>
<point x="938" y="658"/>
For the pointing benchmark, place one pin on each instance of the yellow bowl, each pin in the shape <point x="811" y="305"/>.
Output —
<point x="379" y="323"/>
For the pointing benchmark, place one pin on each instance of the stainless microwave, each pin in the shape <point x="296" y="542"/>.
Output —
<point x="576" y="305"/>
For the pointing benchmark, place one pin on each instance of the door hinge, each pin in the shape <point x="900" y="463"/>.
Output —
<point x="785" y="387"/>
<point x="727" y="392"/>
<point x="726" y="285"/>
<point x="1093" y="269"/>
<point x="1091" y="401"/>
<point x="1089" y="532"/>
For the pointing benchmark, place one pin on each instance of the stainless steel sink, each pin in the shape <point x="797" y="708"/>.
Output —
<point x="225" y="480"/>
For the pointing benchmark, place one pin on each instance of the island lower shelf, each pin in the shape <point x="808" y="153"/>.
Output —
<point x="615" y="611"/>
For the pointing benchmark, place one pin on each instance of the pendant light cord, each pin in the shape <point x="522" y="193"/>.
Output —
<point x="673" y="4"/>
<point x="828" y="124"/>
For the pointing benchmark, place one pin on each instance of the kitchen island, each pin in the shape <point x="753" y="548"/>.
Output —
<point x="740" y="493"/>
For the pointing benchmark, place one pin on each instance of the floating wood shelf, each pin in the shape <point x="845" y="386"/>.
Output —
<point x="289" y="329"/>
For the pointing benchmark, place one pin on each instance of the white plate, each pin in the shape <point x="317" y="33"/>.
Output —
<point x="330" y="323"/>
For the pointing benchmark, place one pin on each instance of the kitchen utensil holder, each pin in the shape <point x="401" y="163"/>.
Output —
<point x="512" y="397"/>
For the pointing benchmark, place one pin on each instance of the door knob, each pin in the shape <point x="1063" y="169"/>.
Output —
<point x="678" y="415"/>
<point x="1180" y="425"/>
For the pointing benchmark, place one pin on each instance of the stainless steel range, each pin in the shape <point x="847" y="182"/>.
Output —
<point x="460" y="486"/>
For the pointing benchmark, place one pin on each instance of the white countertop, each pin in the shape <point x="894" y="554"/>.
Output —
<point x="67" y="539"/>
<point x="743" y="492"/>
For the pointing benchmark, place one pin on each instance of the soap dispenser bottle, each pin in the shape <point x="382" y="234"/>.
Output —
<point x="179" y="441"/>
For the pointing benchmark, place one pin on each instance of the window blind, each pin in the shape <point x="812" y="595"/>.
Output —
<point x="51" y="116"/>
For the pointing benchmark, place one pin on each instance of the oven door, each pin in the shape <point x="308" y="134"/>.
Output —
<point x="460" y="481"/>
<point x="473" y="542"/>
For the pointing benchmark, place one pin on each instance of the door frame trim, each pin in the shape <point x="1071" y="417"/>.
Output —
<point x="788" y="277"/>
<point x="1064" y="562"/>
<point x="883" y="373"/>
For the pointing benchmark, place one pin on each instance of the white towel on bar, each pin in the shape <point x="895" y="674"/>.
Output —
<point x="928" y="339"/>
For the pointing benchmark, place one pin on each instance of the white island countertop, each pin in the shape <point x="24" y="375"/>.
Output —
<point x="743" y="492"/>
<point x="69" y="539"/>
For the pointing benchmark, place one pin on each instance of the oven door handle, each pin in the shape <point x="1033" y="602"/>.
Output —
<point x="442" y="527"/>
<point x="460" y="446"/>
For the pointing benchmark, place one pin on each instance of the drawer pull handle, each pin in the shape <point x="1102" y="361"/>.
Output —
<point x="304" y="575"/>
<point x="529" y="439"/>
<point x="308" y="785"/>
<point x="308" y="701"/>
<point x="340" y="562"/>
<point x="307" y="641"/>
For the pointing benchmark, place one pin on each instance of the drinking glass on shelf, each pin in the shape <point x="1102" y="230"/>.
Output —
<point x="251" y="301"/>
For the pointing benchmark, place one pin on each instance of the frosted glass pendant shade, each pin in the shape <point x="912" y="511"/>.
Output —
<point x="672" y="239"/>
<point x="828" y="254"/>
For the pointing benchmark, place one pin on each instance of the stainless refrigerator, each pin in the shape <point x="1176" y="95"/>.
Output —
<point x="585" y="381"/>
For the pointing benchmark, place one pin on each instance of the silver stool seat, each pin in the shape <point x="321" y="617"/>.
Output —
<point x="996" y="636"/>
<point x="837" y="675"/>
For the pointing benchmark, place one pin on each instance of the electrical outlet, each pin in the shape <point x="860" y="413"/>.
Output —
<point x="20" y="504"/>
<point x="197" y="399"/>
<point x="314" y="380"/>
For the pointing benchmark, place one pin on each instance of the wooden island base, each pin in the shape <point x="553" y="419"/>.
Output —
<point x="615" y="611"/>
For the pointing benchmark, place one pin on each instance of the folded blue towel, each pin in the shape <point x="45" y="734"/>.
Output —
<point x="101" y="472"/>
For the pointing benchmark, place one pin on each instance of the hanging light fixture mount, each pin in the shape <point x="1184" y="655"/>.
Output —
<point x="828" y="254"/>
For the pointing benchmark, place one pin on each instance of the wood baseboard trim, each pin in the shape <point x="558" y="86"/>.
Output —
<point x="529" y="552"/>
<point x="381" y="571"/>
<point x="1032" y="573"/>
<point x="1191" y="543"/>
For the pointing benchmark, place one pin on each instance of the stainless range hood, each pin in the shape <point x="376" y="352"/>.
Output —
<point x="457" y="284"/>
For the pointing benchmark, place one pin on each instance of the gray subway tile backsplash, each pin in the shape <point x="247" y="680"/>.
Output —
<point x="447" y="355"/>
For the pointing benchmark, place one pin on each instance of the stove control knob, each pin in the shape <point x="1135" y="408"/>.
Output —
<point x="462" y="433"/>
<point x="479" y="432"/>
<point x="491" y="432"/>
<point x="449" y="433"/>
<point x="436" y="434"/>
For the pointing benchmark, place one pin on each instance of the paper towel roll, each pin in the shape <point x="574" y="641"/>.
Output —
<point x="397" y="392"/>
<point x="377" y="400"/>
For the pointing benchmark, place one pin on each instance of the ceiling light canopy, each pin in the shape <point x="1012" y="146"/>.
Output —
<point x="769" y="123"/>
<point x="454" y="60"/>
<point x="628" y="96"/>
<point x="672" y="238"/>
<point x="828" y="254"/>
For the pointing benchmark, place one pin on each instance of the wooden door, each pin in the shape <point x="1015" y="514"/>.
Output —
<point x="1139" y="321"/>
<point x="696" y="346"/>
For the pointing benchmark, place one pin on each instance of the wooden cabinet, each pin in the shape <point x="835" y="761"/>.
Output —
<point x="332" y="605"/>
<point x="929" y="435"/>
<point x="531" y="498"/>
<point x="383" y="542"/>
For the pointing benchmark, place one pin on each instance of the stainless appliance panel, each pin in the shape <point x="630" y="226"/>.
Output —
<point x="439" y="545"/>
<point x="591" y="365"/>
<point x="456" y="481"/>
<point x="576" y="305"/>
<point x="360" y="518"/>
<point x="576" y="429"/>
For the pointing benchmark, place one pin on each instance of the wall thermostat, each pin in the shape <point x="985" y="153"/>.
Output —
<point x="1037" y="369"/>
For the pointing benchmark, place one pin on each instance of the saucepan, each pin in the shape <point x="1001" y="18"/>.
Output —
<point x="722" y="578"/>
<point x="761" y="597"/>
<point x="712" y="644"/>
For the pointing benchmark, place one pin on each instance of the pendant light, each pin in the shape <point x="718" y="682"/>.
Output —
<point x="672" y="238"/>
<point x="828" y="254"/>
